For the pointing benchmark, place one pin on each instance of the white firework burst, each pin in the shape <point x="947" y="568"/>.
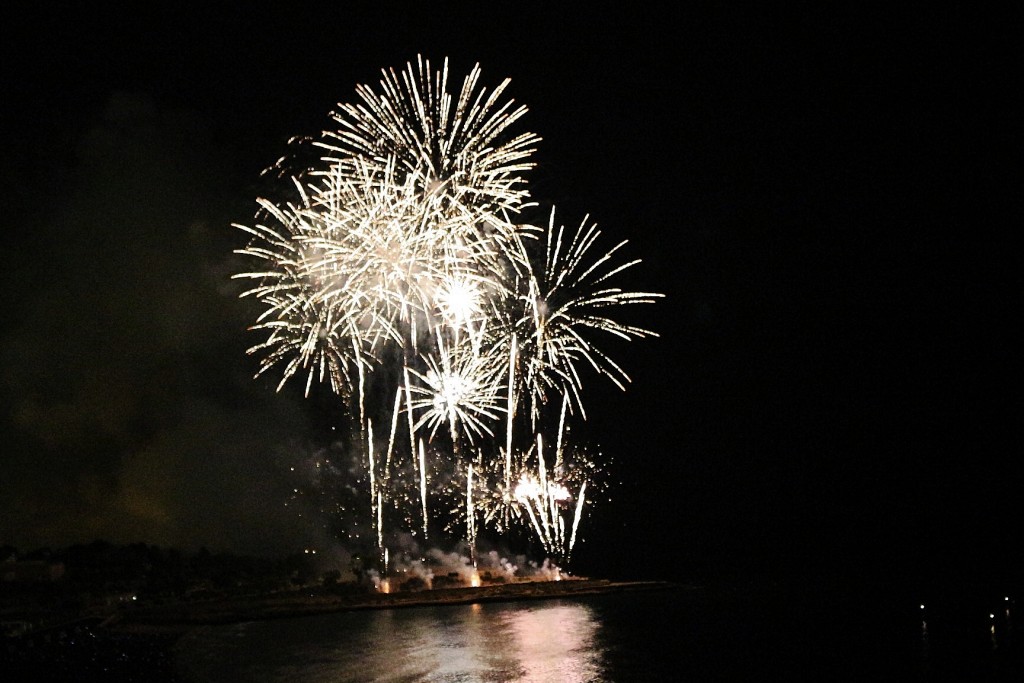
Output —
<point x="404" y="245"/>
<point x="460" y="389"/>
<point x="565" y="300"/>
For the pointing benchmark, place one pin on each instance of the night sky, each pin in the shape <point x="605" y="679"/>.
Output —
<point x="825" y="197"/>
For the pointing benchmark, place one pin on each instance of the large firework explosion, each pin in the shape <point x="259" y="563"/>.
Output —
<point x="403" y="271"/>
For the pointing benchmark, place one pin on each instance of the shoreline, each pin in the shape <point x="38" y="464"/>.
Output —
<point x="181" y="617"/>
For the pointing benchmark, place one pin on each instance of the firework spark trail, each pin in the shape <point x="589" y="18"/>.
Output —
<point x="564" y="300"/>
<point x="470" y="514"/>
<point x="543" y="497"/>
<point x="423" y="487"/>
<point x="394" y="429"/>
<point x="576" y="517"/>
<point x="421" y="471"/>
<point x="380" y="528"/>
<point x="373" y="477"/>
<point x="525" y="493"/>
<point x="510" y="413"/>
<point x="408" y="240"/>
<point x="561" y="432"/>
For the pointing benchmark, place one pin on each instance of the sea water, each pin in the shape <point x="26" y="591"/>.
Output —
<point x="663" y="635"/>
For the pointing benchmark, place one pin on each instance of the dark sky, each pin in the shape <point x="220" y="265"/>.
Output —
<point x="825" y="196"/>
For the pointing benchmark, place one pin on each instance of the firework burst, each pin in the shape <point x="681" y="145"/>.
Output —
<point x="404" y="274"/>
<point x="459" y="148"/>
<point x="564" y="301"/>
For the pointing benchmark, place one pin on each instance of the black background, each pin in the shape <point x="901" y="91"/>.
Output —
<point x="827" y="198"/>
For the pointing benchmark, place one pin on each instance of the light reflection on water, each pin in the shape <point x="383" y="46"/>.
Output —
<point x="642" y="636"/>
<point x="543" y="641"/>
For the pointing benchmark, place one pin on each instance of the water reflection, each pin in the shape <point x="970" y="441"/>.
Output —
<point x="549" y="641"/>
<point x="556" y="643"/>
<point x="636" y="637"/>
